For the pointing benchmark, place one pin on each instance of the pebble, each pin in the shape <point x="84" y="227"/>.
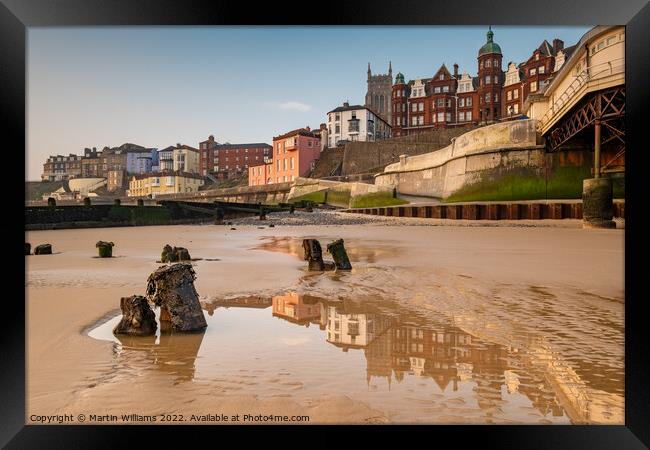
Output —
<point x="322" y="217"/>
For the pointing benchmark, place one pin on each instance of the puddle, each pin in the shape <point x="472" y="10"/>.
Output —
<point x="419" y="368"/>
<point x="366" y="251"/>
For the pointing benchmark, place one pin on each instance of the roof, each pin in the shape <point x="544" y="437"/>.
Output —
<point x="490" y="46"/>
<point x="443" y="69"/>
<point x="347" y="108"/>
<point x="299" y="132"/>
<point x="167" y="149"/>
<point x="546" y="49"/>
<point x="253" y="145"/>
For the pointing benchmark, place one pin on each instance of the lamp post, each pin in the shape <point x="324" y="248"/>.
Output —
<point x="455" y="97"/>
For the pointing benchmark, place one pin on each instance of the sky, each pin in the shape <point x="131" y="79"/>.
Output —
<point x="158" y="86"/>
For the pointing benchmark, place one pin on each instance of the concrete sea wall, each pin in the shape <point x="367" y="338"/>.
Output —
<point x="504" y="161"/>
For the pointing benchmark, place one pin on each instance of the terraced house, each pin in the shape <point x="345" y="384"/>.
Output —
<point x="154" y="184"/>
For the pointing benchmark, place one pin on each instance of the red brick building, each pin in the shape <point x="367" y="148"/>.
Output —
<point x="491" y="79"/>
<point x="227" y="160"/>
<point x="294" y="155"/>
<point x="447" y="100"/>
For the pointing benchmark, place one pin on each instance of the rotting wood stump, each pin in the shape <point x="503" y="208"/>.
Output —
<point x="314" y="254"/>
<point x="137" y="317"/>
<point x="174" y="254"/>
<point x="337" y="250"/>
<point x="172" y="288"/>
<point x="105" y="249"/>
<point x="43" y="249"/>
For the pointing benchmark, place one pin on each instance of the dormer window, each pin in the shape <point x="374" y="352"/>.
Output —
<point x="442" y="77"/>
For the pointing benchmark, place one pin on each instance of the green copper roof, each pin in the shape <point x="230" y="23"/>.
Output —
<point x="490" y="46"/>
<point x="399" y="78"/>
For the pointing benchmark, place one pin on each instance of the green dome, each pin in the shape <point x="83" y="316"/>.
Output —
<point x="399" y="78"/>
<point x="490" y="46"/>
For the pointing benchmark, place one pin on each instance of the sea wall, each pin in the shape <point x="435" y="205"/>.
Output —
<point x="505" y="161"/>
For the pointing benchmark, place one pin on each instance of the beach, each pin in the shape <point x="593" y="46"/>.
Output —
<point x="453" y="324"/>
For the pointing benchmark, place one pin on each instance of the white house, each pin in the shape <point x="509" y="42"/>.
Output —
<point x="355" y="123"/>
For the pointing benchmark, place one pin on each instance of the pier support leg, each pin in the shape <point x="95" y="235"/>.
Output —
<point x="597" y="203"/>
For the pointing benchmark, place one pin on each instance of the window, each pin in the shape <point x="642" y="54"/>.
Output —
<point x="469" y="101"/>
<point x="516" y="108"/>
<point x="440" y="102"/>
<point x="421" y="120"/>
<point x="487" y="98"/>
<point x="285" y="164"/>
<point x="541" y="69"/>
<point x="461" y="116"/>
<point x="337" y="129"/>
<point x="496" y="98"/>
<point x="448" y="103"/>
<point x="414" y="107"/>
<point x="488" y="79"/>
<point x="421" y="106"/>
<point x="337" y="117"/>
<point x="480" y="65"/>
<point x="292" y="163"/>
<point x="398" y="120"/>
<point x="414" y="120"/>
<point x="516" y="93"/>
<point x="611" y="40"/>
<point x="445" y="89"/>
<point x="496" y="63"/>
<point x="279" y="165"/>
<point x="441" y="117"/>
<point x="468" y="115"/>
<point x="448" y="117"/>
<point x="600" y="45"/>
<point x="536" y="56"/>
<point x="509" y="95"/>
<point x="442" y="77"/>
<point x="533" y="86"/>
<point x="403" y="92"/>
<point x="461" y="102"/>
<point x="436" y="89"/>
<point x="487" y="63"/>
<point x="532" y="72"/>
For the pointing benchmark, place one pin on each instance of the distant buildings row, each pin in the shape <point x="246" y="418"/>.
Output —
<point x="391" y="109"/>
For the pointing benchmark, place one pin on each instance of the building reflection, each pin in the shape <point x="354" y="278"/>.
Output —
<point x="402" y="345"/>
<point x="252" y="301"/>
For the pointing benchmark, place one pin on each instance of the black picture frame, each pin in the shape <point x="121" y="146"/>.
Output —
<point x="17" y="15"/>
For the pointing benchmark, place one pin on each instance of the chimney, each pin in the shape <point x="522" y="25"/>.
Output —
<point x="557" y="45"/>
<point x="455" y="70"/>
<point x="346" y="104"/>
<point x="178" y="145"/>
<point x="323" y="126"/>
<point x="307" y="128"/>
<point x="94" y="149"/>
<point x="211" y="138"/>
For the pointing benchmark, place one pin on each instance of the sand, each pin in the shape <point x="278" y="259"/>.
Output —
<point x="564" y="286"/>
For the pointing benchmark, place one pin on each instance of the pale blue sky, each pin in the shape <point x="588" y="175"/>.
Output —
<point x="156" y="86"/>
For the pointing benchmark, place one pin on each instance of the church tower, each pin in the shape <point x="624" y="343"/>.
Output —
<point x="378" y="95"/>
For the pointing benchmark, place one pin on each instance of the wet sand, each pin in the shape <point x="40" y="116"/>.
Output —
<point x="535" y="318"/>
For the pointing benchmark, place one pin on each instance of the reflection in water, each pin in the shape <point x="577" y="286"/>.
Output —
<point x="382" y="343"/>
<point x="400" y="344"/>
<point x="368" y="252"/>
<point x="174" y="354"/>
